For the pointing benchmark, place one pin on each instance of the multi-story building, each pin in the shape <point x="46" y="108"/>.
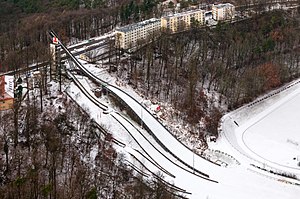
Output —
<point x="128" y="36"/>
<point x="182" y="21"/>
<point x="222" y="12"/>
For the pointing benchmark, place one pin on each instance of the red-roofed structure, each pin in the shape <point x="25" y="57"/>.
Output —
<point x="2" y="88"/>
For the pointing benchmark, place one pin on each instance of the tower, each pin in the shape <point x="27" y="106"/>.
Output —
<point x="55" y="52"/>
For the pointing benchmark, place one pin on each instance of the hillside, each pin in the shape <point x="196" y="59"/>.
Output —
<point x="60" y="152"/>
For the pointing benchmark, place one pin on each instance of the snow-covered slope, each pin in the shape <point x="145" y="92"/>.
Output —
<point x="240" y="130"/>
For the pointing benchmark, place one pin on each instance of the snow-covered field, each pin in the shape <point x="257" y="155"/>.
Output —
<point x="276" y="136"/>
<point x="268" y="133"/>
<point x="265" y="135"/>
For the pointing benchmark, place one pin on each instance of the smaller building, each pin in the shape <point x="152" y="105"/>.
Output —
<point x="6" y="92"/>
<point x="168" y="2"/>
<point x="211" y="138"/>
<point x="223" y="12"/>
<point x="182" y="21"/>
<point x="169" y="5"/>
<point x="128" y="36"/>
<point x="94" y="55"/>
<point x="87" y="57"/>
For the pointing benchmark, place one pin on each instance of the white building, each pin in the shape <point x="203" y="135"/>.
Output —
<point x="222" y="12"/>
<point x="167" y="2"/>
<point x="6" y="92"/>
<point x="128" y="36"/>
<point x="182" y="21"/>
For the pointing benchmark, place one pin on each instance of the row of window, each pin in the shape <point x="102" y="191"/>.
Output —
<point x="144" y="29"/>
<point x="139" y="27"/>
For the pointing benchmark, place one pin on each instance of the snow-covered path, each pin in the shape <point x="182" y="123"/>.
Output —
<point x="235" y="183"/>
<point x="164" y="136"/>
<point x="232" y="182"/>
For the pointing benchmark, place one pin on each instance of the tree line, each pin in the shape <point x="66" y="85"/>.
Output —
<point x="60" y="153"/>
<point x="201" y="70"/>
<point x="214" y="59"/>
<point x="24" y="23"/>
<point x="23" y="36"/>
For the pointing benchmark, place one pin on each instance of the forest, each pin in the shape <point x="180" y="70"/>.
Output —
<point x="44" y="152"/>
<point x="23" y="28"/>
<point x="203" y="73"/>
<point x="61" y="153"/>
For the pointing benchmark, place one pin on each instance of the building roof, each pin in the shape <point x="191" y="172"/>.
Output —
<point x="6" y="96"/>
<point x="184" y="13"/>
<point x="168" y="1"/>
<point x="223" y="5"/>
<point x="137" y="25"/>
<point x="94" y="53"/>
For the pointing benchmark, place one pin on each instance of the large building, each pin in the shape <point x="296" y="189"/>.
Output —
<point x="182" y="21"/>
<point x="222" y="12"/>
<point x="128" y="36"/>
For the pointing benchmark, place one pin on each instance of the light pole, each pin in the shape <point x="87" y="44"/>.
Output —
<point x="141" y="117"/>
<point x="193" y="157"/>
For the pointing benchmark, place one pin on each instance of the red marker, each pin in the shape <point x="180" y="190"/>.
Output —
<point x="55" y="40"/>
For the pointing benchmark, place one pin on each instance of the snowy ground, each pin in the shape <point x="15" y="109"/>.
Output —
<point x="247" y="135"/>
<point x="268" y="133"/>
<point x="275" y="137"/>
